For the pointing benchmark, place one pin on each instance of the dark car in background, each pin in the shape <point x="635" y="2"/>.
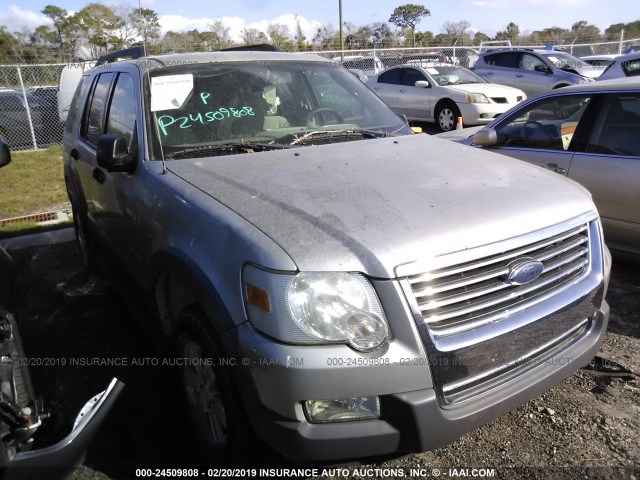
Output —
<point x="33" y="127"/>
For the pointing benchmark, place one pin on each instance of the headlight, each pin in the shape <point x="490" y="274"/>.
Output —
<point x="477" y="98"/>
<point x="335" y="307"/>
<point x="315" y="307"/>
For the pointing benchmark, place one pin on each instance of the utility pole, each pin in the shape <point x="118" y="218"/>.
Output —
<point x="341" y="36"/>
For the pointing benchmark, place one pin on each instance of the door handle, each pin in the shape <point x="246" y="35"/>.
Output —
<point x="402" y="90"/>
<point x="519" y="75"/>
<point x="555" y="168"/>
<point x="99" y="175"/>
<point x="74" y="154"/>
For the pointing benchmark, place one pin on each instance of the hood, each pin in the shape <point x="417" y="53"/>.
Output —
<point x="588" y="71"/>
<point x="491" y="90"/>
<point x="464" y="136"/>
<point x="371" y="205"/>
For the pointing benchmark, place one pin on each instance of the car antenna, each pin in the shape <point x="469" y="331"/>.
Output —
<point x="144" y="48"/>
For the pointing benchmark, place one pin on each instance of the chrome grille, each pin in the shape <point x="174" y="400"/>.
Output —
<point x="459" y="298"/>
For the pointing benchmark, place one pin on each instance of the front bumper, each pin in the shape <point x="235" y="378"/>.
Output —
<point x="413" y="421"/>
<point x="481" y="113"/>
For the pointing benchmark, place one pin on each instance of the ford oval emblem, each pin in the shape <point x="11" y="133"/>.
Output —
<point x="524" y="270"/>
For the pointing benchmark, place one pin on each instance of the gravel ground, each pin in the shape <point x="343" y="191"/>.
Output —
<point x="586" y="427"/>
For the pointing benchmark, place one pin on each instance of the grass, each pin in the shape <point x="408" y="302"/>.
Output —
<point x="33" y="181"/>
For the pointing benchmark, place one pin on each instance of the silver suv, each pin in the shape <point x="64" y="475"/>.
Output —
<point x="332" y="281"/>
<point x="534" y="71"/>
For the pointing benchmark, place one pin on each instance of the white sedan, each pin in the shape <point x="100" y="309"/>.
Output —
<point x="442" y="93"/>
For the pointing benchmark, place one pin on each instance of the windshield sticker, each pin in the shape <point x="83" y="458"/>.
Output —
<point x="553" y="59"/>
<point x="170" y="92"/>
<point x="186" y="121"/>
<point x="432" y="71"/>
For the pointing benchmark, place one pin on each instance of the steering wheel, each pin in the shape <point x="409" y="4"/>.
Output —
<point x="538" y="126"/>
<point x="320" y="110"/>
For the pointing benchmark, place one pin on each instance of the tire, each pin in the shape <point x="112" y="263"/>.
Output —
<point x="214" y="409"/>
<point x="84" y="241"/>
<point x="446" y="115"/>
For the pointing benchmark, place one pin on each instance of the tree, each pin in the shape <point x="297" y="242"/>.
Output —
<point x="326" y="38"/>
<point x="301" y="40"/>
<point x="279" y="35"/>
<point x="458" y="30"/>
<point x="408" y="16"/>
<point x="100" y="24"/>
<point x="480" y="37"/>
<point x="253" y="36"/>
<point x="382" y="35"/>
<point x="217" y="36"/>
<point x="510" y="33"/>
<point x="146" y="25"/>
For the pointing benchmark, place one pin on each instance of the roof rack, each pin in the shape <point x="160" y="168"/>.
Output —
<point x="132" y="53"/>
<point x="262" y="47"/>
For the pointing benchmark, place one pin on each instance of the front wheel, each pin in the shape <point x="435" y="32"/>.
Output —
<point x="215" y="413"/>
<point x="446" y="116"/>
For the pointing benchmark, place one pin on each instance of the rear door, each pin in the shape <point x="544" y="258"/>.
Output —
<point x="500" y="67"/>
<point x="387" y="85"/>
<point x="609" y="167"/>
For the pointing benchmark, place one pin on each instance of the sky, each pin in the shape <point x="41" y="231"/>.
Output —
<point x="487" y="16"/>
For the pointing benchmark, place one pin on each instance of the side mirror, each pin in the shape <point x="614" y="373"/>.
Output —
<point x="113" y="153"/>
<point x="542" y="68"/>
<point x="5" y="154"/>
<point x="485" y="137"/>
<point x="422" y="84"/>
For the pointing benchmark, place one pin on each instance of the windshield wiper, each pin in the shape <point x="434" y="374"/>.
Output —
<point x="329" y="134"/>
<point x="227" y="148"/>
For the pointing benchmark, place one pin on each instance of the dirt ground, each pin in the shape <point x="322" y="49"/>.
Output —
<point x="586" y="427"/>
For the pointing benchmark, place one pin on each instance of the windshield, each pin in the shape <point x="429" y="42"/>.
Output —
<point x="216" y="108"/>
<point x="444" y="76"/>
<point x="565" y="61"/>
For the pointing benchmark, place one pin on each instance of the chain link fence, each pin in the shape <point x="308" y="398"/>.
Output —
<point x="29" y="116"/>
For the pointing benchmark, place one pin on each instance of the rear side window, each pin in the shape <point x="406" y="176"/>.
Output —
<point x="616" y="132"/>
<point x="94" y="120"/>
<point x="77" y="103"/>
<point x="392" y="76"/>
<point x="503" y="59"/>
<point x="631" y="68"/>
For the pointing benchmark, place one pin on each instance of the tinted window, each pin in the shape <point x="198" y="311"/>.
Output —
<point x="94" y="123"/>
<point x="411" y="76"/>
<point x="631" y="68"/>
<point x="504" y="59"/>
<point x="393" y="76"/>
<point x="616" y="132"/>
<point x="122" y="112"/>
<point x="548" y="124"/>
<point x="11" y="102"/>
<point x="77" y="105"/>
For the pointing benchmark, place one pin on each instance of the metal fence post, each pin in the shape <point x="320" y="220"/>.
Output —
<point x="26" y="102"/>
<point x="621" y="40"/>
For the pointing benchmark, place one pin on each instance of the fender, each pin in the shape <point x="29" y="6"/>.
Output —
<point x="182" y="267"/>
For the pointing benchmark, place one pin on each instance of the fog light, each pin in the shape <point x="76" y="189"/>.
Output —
<point x="342" y="409"/>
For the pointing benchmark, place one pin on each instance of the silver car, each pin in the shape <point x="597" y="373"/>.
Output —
<point x="590" y="133"/>
<point x="534" y="71"/>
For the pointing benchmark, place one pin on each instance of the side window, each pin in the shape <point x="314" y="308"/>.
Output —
<point x="93" y="125"/>
<point x="616" y="131"/>
<point x="530" y="62"/>
<point x="393" y="76"/>
<point x="631" y="68"/>
<point x="503" y="59"/>
<point x="122" y="111"/>
<point x="548" y="124"/>
<point x="411" y="76"/>
<point x="12" y="103"/>
<point x="76" y="104"/>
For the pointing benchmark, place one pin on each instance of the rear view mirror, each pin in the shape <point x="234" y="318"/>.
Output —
<point x="422" y="84"/>
<point x="542" y="68"/>
<point x="485" y="137"/>
<point x="113" y="153"/>
<point x="5" y="154"/>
